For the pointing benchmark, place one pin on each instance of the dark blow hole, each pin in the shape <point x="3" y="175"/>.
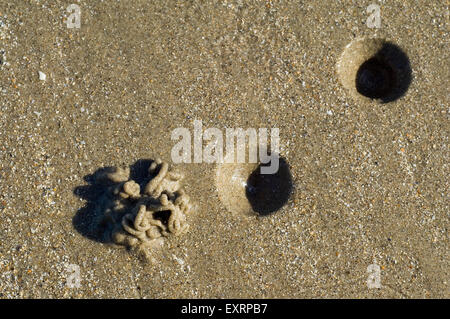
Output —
<point x="267" y="193"/>
<point x="385" y="76"/>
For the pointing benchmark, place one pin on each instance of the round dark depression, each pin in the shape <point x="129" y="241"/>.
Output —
<point x="386" y="76"/>
<point x="375" y="79"/>
<point x="267" y="193"/>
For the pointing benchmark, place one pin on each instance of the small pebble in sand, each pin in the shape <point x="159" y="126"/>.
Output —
<point x="42" y="76"/>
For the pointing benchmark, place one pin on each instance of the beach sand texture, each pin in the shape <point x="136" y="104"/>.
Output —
<point x="370" y="178"/>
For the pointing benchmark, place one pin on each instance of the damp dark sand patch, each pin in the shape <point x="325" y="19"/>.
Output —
<point x="374" y="69"/>
<point x="135" y="207"/>
<point x="244" y="189"/>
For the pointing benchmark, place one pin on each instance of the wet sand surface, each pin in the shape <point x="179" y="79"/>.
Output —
<point x="370" y="179"/>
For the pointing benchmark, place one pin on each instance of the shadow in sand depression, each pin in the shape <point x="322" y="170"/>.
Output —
<point x="267" y="193"/>
<point x="385" y="76"/>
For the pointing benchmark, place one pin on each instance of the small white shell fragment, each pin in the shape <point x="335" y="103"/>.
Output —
<point x="178" y="260"/>
<point x="42" y="76"/>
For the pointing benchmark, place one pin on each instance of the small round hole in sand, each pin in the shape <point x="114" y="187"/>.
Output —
<point x="244" y="189"/>
<point x="375" y="79"/>
<point x="374" y="69"/>
<point x="267" y="193"/>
